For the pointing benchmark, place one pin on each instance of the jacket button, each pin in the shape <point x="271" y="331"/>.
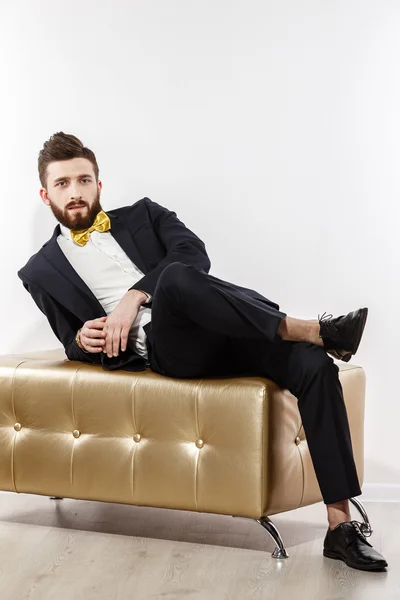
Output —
<point x="76" y="433"/>
<point x="137" y="437"/>
<point x="297" y="440"/>
<point x="199" y="443"/>
<point x="17" y="426"/>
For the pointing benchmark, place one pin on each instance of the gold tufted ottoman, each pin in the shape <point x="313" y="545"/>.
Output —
<point x="233" y="446"/>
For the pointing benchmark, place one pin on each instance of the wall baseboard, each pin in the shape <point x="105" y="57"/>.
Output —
<point x="380" y="492"/>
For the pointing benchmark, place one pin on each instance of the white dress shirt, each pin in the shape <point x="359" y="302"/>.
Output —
<point x="108" y="272"/>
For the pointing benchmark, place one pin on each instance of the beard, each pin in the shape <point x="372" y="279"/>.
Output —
<point x="77" y="219"/>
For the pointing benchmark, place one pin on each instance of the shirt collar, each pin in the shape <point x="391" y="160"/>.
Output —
<point x="65" y="232"/>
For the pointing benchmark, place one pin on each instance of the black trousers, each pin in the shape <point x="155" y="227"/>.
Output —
<point x="202" y="327"/>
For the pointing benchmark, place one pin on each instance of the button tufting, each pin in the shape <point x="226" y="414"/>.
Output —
<point x="76" y="433"/>
<point x="17" y="426"/>
<point x="297" y="440"/>
<point x="199" y="443"/>
<point x="137" y="437"/>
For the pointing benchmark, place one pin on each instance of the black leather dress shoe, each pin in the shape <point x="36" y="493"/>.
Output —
<point x="342" y="336"/>
<point x="346" y="542"/>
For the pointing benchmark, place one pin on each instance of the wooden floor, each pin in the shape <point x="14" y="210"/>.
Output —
<point x="72" y="550"/>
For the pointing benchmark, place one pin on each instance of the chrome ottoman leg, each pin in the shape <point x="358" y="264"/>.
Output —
<point x="280" y="550"/>
<point x="365" y="526"/>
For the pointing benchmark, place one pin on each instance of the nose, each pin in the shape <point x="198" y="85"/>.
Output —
<point x="74" y="192"/>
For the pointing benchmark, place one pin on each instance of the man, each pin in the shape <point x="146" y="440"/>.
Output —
<point x="130" y="289"/>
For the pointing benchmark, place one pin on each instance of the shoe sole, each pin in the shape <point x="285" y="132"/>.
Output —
<point x="335" y="556"/>
<point x="344" y="357"/>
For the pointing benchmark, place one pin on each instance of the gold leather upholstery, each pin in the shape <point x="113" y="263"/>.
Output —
<point x="233" y="446"/>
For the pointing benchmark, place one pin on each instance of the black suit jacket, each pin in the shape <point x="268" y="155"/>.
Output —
<point x="152" y="236"/>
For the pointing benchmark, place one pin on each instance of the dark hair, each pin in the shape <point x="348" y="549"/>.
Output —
<point x="63" y="146"/>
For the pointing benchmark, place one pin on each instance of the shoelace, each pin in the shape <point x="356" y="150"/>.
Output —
<point x="325" y="321"/>
<point x="324" y="317"/>
<point x="357" y="526"/>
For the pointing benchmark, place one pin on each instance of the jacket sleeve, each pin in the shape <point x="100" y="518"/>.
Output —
<point x="181" y="244"/>
<point x="63" y="323"/>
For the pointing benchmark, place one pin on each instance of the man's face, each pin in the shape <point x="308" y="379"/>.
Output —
<point x="72" y="192"/>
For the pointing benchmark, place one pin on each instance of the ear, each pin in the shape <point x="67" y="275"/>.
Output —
<point x="44" y="196"/>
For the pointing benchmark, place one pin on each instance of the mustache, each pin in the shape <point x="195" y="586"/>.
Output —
<point x="75" y="205"/>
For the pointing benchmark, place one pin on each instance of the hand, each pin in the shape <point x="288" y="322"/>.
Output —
<point x="119" y="322"/>
<point x="92" y="335"/>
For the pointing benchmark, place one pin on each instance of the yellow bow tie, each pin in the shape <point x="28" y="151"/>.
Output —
<point x="101" y="223"/>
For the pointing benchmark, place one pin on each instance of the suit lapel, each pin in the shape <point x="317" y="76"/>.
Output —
<point x="125" y="239"/>
<point x="64" y="283"/>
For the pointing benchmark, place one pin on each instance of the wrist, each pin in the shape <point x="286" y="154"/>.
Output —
<point x="138" y="296"/>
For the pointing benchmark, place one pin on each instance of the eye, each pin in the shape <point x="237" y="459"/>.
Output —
<point x="85" y="179"/>
<point x="59" y="183"/>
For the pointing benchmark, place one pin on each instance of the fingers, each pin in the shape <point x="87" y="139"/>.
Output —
<point x="93" y="349"/>
<point x="91" y="344"/>
<point x="91" y="340"/>
<point x="113" y="341"/>
<point x="96" y="336"/>
<point x="93" y="335"/>
<point x="120" y="338"/>
<point x="96" y="323"/>
<point x="124" y="338"/>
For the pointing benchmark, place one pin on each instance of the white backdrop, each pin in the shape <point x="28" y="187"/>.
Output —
<point x="272" y="128"/>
